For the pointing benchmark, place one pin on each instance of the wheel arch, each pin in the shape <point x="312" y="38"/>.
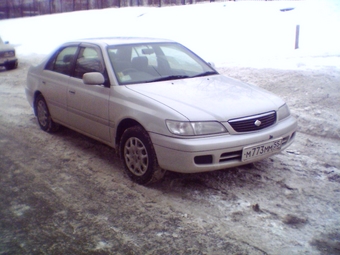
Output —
<point x="36" y="94"/>
<point x="122" y="126"/>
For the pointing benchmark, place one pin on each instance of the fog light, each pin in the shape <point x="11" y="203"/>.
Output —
<point x="203" y="160"/>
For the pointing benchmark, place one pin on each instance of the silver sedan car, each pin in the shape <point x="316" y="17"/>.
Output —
<point x="159" y="105"/>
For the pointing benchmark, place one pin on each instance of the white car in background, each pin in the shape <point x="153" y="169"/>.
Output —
<point x="7" y="56"/>
<point x="159" y="105"/>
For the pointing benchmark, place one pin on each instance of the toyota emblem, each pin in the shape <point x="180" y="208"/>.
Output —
<point x="257" y="123"/>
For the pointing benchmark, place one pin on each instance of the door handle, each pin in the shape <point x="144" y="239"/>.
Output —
<point x="72" y="92"/>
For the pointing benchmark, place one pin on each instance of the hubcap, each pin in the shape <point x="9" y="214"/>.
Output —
<point x="42" y="113"/>
<point x="136" y="156"/>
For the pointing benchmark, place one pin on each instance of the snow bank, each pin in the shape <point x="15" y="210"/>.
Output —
<point x="243" y="33"/>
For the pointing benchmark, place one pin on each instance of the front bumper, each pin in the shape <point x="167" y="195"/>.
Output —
<point x="217" y="152"/>
<point x="7" y="61"/>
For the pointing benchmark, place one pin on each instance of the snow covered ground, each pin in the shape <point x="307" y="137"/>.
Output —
<point x="245" y="33"/>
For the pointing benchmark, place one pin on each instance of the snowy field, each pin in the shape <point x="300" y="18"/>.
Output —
<point x="244" y="33"/>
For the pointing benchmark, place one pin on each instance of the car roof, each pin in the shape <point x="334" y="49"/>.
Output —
<point x="104" y="41"/>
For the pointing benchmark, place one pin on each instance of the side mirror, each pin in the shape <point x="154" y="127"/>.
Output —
<point x="93" y="78"/>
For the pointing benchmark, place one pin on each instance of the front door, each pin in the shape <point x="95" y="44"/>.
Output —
<point x="87" y="105"/>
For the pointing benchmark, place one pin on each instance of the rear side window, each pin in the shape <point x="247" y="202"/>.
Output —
<point x="62" y="62"/>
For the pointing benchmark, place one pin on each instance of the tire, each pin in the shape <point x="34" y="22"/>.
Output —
<point x="43" y="115"/>
<point x="139" y="157"/>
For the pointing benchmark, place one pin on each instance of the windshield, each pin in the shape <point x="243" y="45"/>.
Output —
<point x="142" y="63"/>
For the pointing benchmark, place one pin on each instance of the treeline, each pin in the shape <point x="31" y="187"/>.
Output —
<point x="22" y="8"/>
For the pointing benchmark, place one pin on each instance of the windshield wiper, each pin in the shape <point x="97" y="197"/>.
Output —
<point x="170" y="77"/>
<point x="176" y="77"/>
<point x="205" y="74"/>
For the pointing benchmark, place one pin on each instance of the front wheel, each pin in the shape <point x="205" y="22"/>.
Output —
<point x="139" y="157"/>
<point x="43" y="115"/>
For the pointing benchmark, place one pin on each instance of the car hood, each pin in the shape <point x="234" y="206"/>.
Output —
<point x="214" y="97"/>
<point x="6" y="47"/>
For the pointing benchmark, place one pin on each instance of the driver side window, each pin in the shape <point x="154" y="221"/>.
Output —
<point x="90" y="60"/>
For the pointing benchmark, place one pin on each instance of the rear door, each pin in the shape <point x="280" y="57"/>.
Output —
<point x="55" y="82"/>
<point x="87" y="105"/>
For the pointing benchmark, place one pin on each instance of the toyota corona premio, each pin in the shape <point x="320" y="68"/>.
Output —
<point x="159" y="105"/>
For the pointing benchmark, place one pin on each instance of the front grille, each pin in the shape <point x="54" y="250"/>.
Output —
<point x="253" y="123"/>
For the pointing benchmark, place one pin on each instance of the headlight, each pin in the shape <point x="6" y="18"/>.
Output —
<point x="194" y="128"/>
<point x="283" y="112"/>
<point x="9" y="54"/>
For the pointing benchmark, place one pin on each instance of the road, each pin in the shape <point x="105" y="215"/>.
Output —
<point x="64" y="193"/>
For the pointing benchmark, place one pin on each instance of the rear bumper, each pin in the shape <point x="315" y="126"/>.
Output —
<point x="217" y="152"/>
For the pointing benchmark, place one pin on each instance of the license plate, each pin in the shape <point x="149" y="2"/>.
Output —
<point x="260" y="150"/>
